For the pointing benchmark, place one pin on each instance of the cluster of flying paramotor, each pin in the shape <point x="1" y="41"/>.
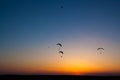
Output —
<point x="100" y="49"/>
<point x="59" y="49"/>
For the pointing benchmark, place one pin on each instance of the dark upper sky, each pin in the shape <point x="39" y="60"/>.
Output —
<point x="39" y="20"/>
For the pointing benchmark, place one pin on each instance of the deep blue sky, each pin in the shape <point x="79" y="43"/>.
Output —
<point x="38" y="23"/>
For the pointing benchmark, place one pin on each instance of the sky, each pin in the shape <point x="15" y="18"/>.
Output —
<point x="30" y="30"/>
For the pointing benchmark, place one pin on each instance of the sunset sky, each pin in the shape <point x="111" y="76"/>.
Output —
<point x="30" y="30"/>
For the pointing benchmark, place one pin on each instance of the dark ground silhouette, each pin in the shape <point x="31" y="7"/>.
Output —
<point x="57" y="77"/>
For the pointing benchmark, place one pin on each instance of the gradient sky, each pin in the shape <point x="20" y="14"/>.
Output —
<point x="28" y="27"/>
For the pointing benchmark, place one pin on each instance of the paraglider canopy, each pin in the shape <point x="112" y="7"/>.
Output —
<point x="61" y="52"/>
<point x="100" y="48"/>
<point x="59" y="44"/>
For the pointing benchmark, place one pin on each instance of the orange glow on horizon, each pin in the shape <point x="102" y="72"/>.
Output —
<point x="77" y="60"/>
<point x="70" y="68"/>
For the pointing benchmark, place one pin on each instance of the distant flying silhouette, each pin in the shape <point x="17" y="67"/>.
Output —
<point x="59" y="44"/>
<point x="61" y="52"/>
<point x="61" y="6"/>
<point x="100" y="49"/>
